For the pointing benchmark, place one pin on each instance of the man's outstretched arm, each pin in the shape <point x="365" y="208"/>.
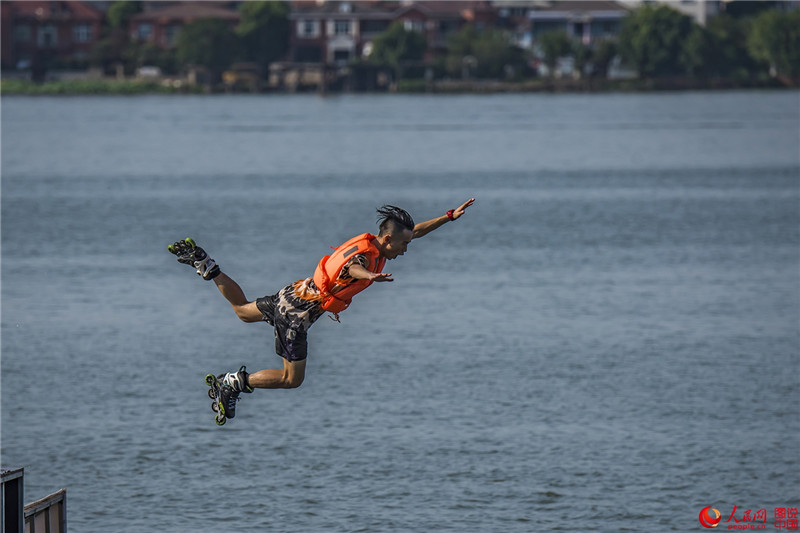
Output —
<point x="423" y="228"/>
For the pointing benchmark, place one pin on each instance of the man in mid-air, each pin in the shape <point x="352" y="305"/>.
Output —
<point x="351" y="268"/>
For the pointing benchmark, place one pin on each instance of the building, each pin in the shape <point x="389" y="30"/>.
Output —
<point x="512" y="16"/>
<point x="438" y="20"/>
<point x="161" y="25"/>
<point x="35" y="34"/>
<point x="332" y="32"/>
<point x="588" y="21"/>
<point x="339" y="31"/>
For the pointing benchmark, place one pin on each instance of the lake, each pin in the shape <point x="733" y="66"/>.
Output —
<point x="608" y="340"/>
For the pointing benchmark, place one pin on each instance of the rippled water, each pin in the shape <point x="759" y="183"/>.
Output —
<point x="608" y="340"/>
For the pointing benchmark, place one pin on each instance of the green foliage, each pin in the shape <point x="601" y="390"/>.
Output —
<point x="147" y="54"/>
<point x="775" y="39"/>
<point x="662" y="42"/>
<point x="397" y="45"/>
<point x="729" y="56"/>
<point x="411" y="86"/>
<point x="110" y="50"/>
<point x="698" y="53"/>
<point x="120" y="13"/>
<point x="8" y="87"/>
<point x="211" y="43"/>
<point x="460" y="46"/>
<point x="652" y="38"/>
<point x="583" y="55"/>
<point x="602" y="55"/>
<point x="718" y="50"/>
<point x="491" y="49"/>
<point x="150" y="54"/>
<point x="264" y="31"/>
<point x="554" y="44"/>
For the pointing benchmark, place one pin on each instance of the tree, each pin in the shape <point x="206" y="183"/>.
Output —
<point x="494" y="51"/>
<point x="120" y="13"/>
<point x="210" y="43"/>
<point x="554" y="44"/>
<point x="652" y="40"/>
<point x="460" y="47"/>
<point x="775" y="39"/>
<point x="698" y="52"/>
<point x="264" y="31"/>
<point x="718" y="50"/>
<point x="491" y="51"/>
<point x="114" y="46"/>
<point x="110" y="50"/>
<point x="604" y="53"/>
<point x="583" y="55"/>
<point x="397" y="45"/>
<point x="150" y="54"/>
<point x="729" y="40"/>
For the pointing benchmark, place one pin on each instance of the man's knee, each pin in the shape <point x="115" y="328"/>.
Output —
<point x="292" y="382"/>
<point x="248" y="312"/>
<point x="293" y="374"/>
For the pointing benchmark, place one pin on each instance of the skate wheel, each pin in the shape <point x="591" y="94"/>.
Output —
<point x="214" y="407"/>
<point x="211" y="394"/>
<point x="189" y="241"/>
<point x="171" y="248"/>
<point x="210" y="380"/>
<point x="220" y="419"/>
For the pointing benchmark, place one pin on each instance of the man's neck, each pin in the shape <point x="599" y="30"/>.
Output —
<point x="379" y="245"/>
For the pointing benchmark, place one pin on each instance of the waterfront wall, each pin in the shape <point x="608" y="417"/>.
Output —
<point x="48" y="515"/>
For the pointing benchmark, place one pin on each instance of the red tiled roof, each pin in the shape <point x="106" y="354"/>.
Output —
<point x="187" y="10"/>
<point x="359" y="7"/>
<point x="50" y="10"/>
<point x="336" y="7"/>
<point x="450" y="6"/>
<point x="581" y="6"/>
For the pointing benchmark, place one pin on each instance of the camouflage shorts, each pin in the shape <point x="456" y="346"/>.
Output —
<point x="291" y="316"/>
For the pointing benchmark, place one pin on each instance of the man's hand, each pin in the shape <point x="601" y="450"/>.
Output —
<point x="423" y="228"/>
<point x="460" y="211"/>
<point x="382" y="276"/>
<point x="359" y="272"/>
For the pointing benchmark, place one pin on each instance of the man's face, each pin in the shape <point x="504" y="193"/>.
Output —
<point x="397" y="243"/>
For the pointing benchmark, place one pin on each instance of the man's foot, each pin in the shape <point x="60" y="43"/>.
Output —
<point x="189" y="253"/>
<point x="238" y="380"/>
<point x="233" y="383"/>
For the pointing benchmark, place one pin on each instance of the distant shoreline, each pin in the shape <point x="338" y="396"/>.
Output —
<point x="589" y="85"/>
<point x="89" y="87"/>
<point x="10" y="87"/>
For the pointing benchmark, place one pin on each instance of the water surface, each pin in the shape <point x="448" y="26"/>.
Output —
<point x="607" y="341"/>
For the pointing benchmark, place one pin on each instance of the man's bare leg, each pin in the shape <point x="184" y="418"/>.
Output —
<point x="290" y="377"/>
<point x="247" y="311"/>
<point x="293" y="372"/>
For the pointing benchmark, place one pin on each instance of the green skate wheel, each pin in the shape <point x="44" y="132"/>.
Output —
<point x="190" y="242"/>
<point x="220" y="419"/>
<point x="210" y="380"/>
<point x="171" y="248"/>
